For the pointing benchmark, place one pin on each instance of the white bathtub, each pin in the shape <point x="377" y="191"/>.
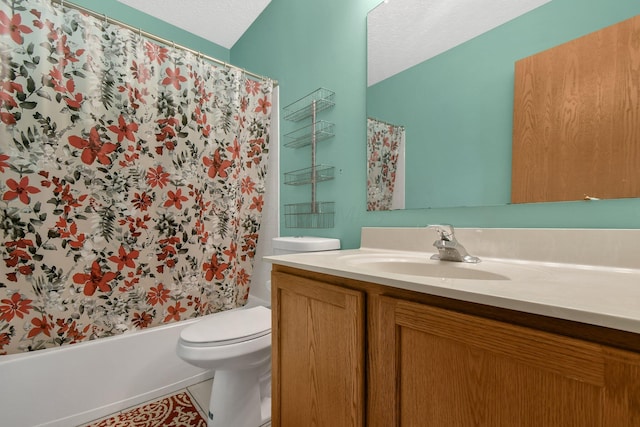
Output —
<point x="78" y="383"/>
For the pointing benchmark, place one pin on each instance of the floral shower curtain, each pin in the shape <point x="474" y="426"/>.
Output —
<point x="131" y="179"/>
<point x="384" y="142"/>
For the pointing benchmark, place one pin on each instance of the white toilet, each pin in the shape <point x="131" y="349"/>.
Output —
<point x="237" y="345"/>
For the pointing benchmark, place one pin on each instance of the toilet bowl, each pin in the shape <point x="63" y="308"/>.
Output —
<point x="237" y="345"/>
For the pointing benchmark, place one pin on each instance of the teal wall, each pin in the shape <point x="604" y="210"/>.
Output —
<point x="306" y="44"/>
<point x="123" y="13"/>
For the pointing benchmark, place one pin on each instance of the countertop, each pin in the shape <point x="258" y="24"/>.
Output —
<point x="599" y="295"/>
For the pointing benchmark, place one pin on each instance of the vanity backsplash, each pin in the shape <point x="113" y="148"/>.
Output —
<point x="616" y="248"/>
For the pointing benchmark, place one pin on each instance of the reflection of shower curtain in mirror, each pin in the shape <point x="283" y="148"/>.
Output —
<point x="132" y="179"/>
<point x="384" y="146"/>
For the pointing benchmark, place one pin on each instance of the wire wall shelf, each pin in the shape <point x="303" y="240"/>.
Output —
<point x="307" y="175"/>
<point x="309" y="215"/>
<point x="304" y="136"/>
<point x="302" y="108"/>
<point x="313" y="214"/>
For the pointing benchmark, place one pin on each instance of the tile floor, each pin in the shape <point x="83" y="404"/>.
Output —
<point x="200" y="394"/>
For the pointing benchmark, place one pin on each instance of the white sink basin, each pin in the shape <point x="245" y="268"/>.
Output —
<point x="419" y="266"/>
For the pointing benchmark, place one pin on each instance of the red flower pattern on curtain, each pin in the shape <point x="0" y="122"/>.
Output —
<point x="383" y="149"/>
<point x="132" y="179"/>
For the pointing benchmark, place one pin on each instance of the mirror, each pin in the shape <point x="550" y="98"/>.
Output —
<point x="443" y="71"/>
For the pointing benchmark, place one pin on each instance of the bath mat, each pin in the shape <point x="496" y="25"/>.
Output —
<point x="173" y="411"/>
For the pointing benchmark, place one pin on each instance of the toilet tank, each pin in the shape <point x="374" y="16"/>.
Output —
<point x="292" y="245"/>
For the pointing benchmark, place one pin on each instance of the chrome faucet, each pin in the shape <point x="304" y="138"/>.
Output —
<point x="448" y="246"/>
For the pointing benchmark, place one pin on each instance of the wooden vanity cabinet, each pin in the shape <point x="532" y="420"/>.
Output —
<point x="432" y="361"/>
<point x="318" y="353"/>
<point x="444" y="368"/>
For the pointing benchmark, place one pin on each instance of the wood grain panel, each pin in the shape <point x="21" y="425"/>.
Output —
<point x="458" y="370"/>
<point x="318" y="354"/>
<point x="382" y="408"/>
<point x="554" y="353"/>
<point x="576" y="125"/>
<point x="432" y="361"/>
<point x="449" y="383"/>
<point x="622" y="398"/>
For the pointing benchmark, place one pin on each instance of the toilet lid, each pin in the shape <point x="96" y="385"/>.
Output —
<point x="230" y="326"/>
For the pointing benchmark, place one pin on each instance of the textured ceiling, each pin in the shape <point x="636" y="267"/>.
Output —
<point x="220" y="21"/>
<point x="403" y="33"/>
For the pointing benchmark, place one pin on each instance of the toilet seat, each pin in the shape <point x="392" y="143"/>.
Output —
<point x="228" y="327"/>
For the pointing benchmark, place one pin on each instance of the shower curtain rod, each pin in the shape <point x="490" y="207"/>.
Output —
<point x="151" y="36"/>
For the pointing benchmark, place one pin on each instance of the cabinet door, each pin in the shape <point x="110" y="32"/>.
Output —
<point x="318" y="353"/>
<point x="434" y="367"/>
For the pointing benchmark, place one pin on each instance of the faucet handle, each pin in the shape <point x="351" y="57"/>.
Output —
<point x="445" y="231"/>
<point x="449" y="249"/>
